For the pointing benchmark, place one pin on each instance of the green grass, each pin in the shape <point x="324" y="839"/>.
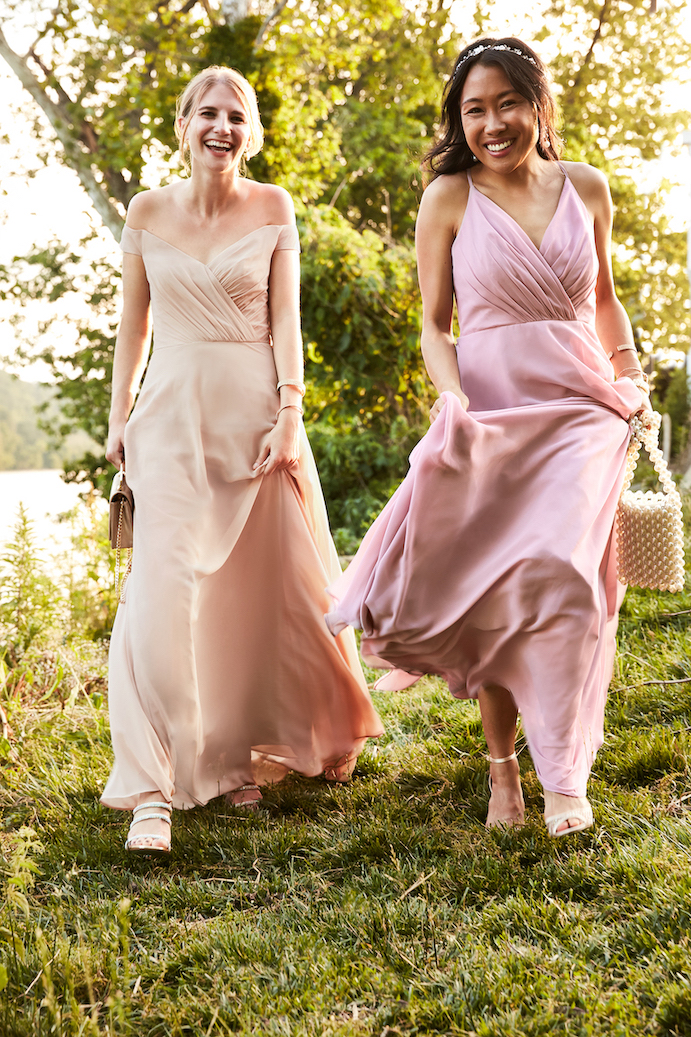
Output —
<point x="378" y="908"/>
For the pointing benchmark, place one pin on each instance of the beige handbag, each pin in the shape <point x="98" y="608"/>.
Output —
<point x="650" y="533"/>
<point x="121" y="527"/>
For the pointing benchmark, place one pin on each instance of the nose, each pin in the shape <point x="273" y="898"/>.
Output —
<point x="223" y="122"/>
<point x="495" y="121"/>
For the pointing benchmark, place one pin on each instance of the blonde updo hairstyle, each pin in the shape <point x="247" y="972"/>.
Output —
<point x="191" y="98"/>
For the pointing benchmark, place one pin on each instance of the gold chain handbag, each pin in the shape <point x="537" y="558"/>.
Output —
<point x="121" y="527"/>
<point x="650" y="533"/>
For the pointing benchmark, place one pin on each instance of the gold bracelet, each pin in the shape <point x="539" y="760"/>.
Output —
<point x="290" y="406"/>
<point x="300" y="386"/>
<point x="633" y="373"/>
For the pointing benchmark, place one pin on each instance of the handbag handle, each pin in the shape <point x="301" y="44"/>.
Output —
<point x="641" y="436"/>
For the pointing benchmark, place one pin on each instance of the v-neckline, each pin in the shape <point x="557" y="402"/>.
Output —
<point x="538" y="248"/>
<point x="218" y="254"/>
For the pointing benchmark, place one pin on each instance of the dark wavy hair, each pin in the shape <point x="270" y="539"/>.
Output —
<point x="529" y="78"/>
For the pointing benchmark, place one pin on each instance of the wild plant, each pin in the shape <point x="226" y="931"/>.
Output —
<point x="31" y="604"/>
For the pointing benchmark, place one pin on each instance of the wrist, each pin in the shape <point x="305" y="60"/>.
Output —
<point x="290" y="412"/>
<point x="291" y="390"/>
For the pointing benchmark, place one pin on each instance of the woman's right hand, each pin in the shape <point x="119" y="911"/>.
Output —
<point x="438" y="404"/>
<point x="115" y="447"/>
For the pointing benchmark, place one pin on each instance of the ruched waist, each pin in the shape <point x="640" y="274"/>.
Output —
<point x="252" y="343"/>
<point x="539" y="362"/>
<point x="508" y="325"/>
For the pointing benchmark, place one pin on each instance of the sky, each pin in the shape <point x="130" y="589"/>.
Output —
<point x="52" y="204"/>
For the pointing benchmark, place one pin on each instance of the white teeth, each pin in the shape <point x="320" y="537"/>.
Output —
<point x="500" y="147"/>
<point x="217" y="145"/>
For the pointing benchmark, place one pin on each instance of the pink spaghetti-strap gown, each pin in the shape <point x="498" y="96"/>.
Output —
<point x="221" y="669"/>
<point x="494" y="561"/>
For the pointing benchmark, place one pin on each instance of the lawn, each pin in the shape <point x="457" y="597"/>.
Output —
<point x="378" y="908"/>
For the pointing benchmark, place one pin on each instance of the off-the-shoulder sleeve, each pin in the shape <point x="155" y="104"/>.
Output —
<point x="131" y="241"/>
<point x="288" y="238"/>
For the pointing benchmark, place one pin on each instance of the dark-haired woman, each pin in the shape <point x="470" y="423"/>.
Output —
<point x="493" y="565"/>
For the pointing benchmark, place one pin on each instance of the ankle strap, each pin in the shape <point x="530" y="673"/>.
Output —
<point x="503" y="759"/>
<point x="146" y="806"/>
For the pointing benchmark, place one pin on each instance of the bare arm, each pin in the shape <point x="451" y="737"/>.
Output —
<point x="441" y="210"/>
<point x="281" y="448"/>
<point x="131" y="351"/>
<point x="611" y="320"/>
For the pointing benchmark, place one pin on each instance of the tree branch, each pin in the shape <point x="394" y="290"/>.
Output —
<point x="68" y="135"/>
<point x="267" y="22"/>
<point x="596" y="36"/>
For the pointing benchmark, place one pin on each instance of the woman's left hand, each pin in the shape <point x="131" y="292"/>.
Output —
<point x="280" y="448"/>
<point x="645" y="411"/>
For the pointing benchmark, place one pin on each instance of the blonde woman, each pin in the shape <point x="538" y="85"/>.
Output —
<point x="222" y="674"/>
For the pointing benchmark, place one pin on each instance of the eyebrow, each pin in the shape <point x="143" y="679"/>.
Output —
<point x="474" y="100"/>
<point x="214" y="108"/>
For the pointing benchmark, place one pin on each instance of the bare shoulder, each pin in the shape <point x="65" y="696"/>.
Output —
<point x="446" y="191"/>
<point x="590" y="183"/>
<point x="274" y="202"/>
<point x="444" y="201"/>
<point x="147" y="205"/>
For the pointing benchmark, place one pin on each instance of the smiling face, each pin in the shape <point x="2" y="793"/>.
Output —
<point x="500" y="125"/>
<point x="219" y="130"/>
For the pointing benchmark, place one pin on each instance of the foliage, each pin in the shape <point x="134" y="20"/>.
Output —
<point x="380" y="907"/>
<point x="671" y="396"/>
<point x="367" y="382"/>
<point x="30" y="602"/>
<point x="107" y="76"/>
<point x="22" y="444"/>
<point x="611" y="83"/>
<point x="349" y="97"/>
<point x="49" y="603"/>
<point x="24" y="440"/>
<point x="368" y="393"/>
<point x="81" y="371"/>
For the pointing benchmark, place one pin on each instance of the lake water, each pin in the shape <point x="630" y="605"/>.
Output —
<point x="45" y="496"/>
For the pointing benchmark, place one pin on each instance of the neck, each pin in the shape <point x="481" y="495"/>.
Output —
<point x="210" y="194"/>
<point x="530" y="172"/>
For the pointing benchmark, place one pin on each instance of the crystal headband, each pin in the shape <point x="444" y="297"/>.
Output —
<point x="492" y="46"/>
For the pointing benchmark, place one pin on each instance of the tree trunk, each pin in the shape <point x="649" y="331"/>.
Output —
<point x="68" y="135"/>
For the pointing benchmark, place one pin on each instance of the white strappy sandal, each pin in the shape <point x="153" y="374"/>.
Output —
<point x="244" y="797"/>
<point x="513" y="822"/>
<point x="133" y="841"/>
<point x="579" y="809"/>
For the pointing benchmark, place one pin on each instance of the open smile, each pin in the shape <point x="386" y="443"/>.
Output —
<point x="220" y="146"/>
<point x="499" y="146"/>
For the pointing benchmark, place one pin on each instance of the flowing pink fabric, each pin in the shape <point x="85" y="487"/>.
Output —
<point x="494" y="561"/>
<point x="221" y="669"/>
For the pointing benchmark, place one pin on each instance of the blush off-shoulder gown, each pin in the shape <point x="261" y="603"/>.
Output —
<point x="494" y="561"/>
<point x="222" y="671"/>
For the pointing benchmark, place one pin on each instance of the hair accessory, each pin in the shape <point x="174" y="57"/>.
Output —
<point x="650" y="534"/>
<point x="300" y="386"/>
<point x="492" y="46"/>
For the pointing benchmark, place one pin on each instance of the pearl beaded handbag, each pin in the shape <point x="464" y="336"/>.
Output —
<point x="650" y="534"/>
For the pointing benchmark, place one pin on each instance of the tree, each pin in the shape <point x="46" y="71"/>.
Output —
<point x="349" y="97"/>
<point x="611" y="83"/>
